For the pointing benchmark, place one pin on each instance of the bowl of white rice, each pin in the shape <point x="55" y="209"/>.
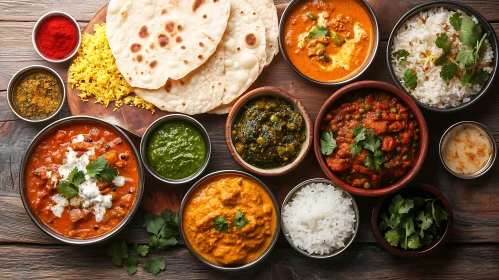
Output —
<point x="444" y="55"/>
<point x="318" y="219"/>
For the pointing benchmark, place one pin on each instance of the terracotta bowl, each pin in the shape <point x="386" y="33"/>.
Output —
<point x="271" y="92"/>
<point x="446" y="230"/>
<point x="335" y="100"/>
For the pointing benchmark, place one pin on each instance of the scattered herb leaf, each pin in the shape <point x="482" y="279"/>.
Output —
<point x="240" y="220"/>
<point x="448" y="71"/>
<point x="118" y="252"/>
<point x="402" y="56"/>
<point x="410" y="79"/>
<point x="96" y="166"/>
<point x="107" y="174"/>
<point x="142" y="250"/>
<point x="355" y="149"/>
<point x="359" y="132"/>
<point x="466" y="58"/>
<point x="130" y="264"/>
<point x="154" y="266"/>
<point x="456" y="21"/>
<point x="480" y="77"/>
<point x="76" y="177"/>
<point x="443" y="42"/>
<point x="328" y="143"/>
<point x="67" y="189"/>
<point x="318" y="31"/>
<point x="470" y="32"/>
<point x="220" y="223"/>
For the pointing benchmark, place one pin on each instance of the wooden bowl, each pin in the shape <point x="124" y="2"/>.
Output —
<point x="272" y="92"/>
<point x="415" y="189"/>
<point x="350" y="89"/>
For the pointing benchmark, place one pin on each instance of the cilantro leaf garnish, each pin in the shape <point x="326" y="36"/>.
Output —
<point x="318" y="31"/>
<point x="101" y="170"/>
<point x="328" y="143"/>
<point x="410" y="79"/>
<point x="154" y="266"/>
<point x="372" y="142"/>
<point x="355" y="149"/>
<point x="402" y="56"/>
<point x="466" y="79"/>
<point x="67" y="189"/>
<point x="443" y="42"/>
<point x="470" y="32"/>
<point x="448" y="71"/>
<point x="480" y="77"/>
<point x="130" y="264"/>
<point x="456" y="21"/>
<point x="393" y="237"/>
<point x="413" y="241"/>
<point x="118" y="252"/>
<point x="142" y="250"/>
<point x="369" y="162"/>
<point x="107" y="174"/>
<point x="240" y="220"/>
<point x="220" y="223"/>
<point x="76" y="177"/>
<point x="359" y="132"/>
<point x="465" y="58"/>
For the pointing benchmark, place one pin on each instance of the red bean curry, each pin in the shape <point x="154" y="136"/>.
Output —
<point x="377" y="138"/>
<point x="328" y="40"/>
<point x="97" y="206"/>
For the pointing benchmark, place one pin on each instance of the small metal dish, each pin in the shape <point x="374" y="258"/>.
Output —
<point x="492" y="158"/>
<point x="349" y="78"/>
<point x="157" y="124"/>
<point x="35" y="32"/>
<point x="290" y="197"/>
<point x="276" y="231"/>
<point x="450" y="5"/>
<point x="20" y="75"/>
<point x="53" y="128"/>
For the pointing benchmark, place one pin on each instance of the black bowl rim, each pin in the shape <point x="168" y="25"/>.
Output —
<point x="492" y="40"/>
<point x="353" y="78"/>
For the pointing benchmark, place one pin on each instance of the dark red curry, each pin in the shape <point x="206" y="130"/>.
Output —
<point x="377" y="139"/>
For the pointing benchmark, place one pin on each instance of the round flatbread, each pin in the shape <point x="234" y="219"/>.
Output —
<point x="267" y="11"/>
<point x="153" y="41"/>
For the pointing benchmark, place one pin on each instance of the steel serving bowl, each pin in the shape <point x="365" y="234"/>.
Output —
<point x="349" y="78"/>
<point x="492" y="159"/>
<point x="276" y="230"/>
<point x="285" y="231"/>
<point x="450" y="5"/>
<point x="269" y="92"/>
<point x="20" y="75"/>
<point x="157" y="124"/>
<point x="414" y="189"/>
<point x="53" y="128"/>
<point x="336" y="100"/>
<point x="35" y="32"/>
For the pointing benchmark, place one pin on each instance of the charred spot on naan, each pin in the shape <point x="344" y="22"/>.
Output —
<point x="143" y="33"/>
<point x="153" y="63"/>
<point x="139" y="58"/>
<point x="178" y="39"/>
<point x="200" y="56"/>
<point x="201" y="44"/>
<point x="164" y="11"/>
<point x="170" y="27"/>
<point x="168" y="86"/>
<point x="250" y="40"/>
<point x="135" y="47"/>
<point x="196" y="4"/>
<point x="163" y="40"/>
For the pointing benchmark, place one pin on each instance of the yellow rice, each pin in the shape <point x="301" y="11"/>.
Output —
<point x="95" y="73"/>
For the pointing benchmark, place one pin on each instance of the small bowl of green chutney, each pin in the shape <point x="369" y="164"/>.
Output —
<point x="175" y="149"/>
<point x="268" y="131"/>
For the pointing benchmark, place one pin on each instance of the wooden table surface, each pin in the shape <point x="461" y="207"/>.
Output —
<point x="27" y="252"/>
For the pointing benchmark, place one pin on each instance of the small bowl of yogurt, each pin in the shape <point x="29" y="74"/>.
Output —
<point x="468" y="149"/>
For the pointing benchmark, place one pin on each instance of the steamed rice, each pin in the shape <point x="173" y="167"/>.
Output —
<point x="319" y="218"/>
<point x="417" y="35"/>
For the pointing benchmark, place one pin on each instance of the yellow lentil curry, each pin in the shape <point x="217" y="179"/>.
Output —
<point x="230" y="220"/>
<point x="37" y="95"/>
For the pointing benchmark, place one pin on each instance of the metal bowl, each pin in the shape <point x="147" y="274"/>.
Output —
<point x="450" y="6"/>
<point x="52" y="128"/>
<point x="492" y="159"/>
<point x="276" y="231"/>
<point x="350" y="78"/>
<point x="158" y="123"/>
<point x="20" y="75"/>
<point x="290" y="196"/>
<point x="297" y="105"/>
<point x="35" y="32"/>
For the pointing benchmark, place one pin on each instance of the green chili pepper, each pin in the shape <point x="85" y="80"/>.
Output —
<point x="311" y="16"/>
<point x="337" y="40"/>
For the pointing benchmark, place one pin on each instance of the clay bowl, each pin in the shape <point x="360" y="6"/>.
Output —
<point x="337" y="99"/>
<point x="270" y="92"/>
<point x="435" y="246"/>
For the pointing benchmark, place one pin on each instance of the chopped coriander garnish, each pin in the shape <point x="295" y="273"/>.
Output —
<point x="318" y="31"/>
<point x="154" y="266"/>
<point x="456" y="21"/>
<point x="470" y="33"/>
<point x="240" y="220"/>
<point x="220" y="223"/>
<point x="328" y="143"/>
<point x="101" y="170"/>
<point x="402" y="56"/>
<point x="448" y="71"/>
<point x="410" y="79"/>
<point x="69" y="187"/>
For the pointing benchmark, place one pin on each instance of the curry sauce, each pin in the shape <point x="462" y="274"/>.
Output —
<point x="222" y="198"/>
<point x="329" y="40"/>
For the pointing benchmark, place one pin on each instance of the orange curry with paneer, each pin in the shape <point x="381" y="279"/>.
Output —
<point x="82" y="180"/>
<point x="328" y="40"/>
<point x="229" y="220"/>
<point x="377" y="139"/>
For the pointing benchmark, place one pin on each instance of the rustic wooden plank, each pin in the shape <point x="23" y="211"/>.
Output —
<point x="361" y="261"/>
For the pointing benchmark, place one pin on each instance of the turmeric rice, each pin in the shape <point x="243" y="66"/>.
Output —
<point x="95" y="74"/>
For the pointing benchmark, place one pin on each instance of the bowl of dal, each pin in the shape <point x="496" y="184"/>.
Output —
<point x="329" y="42"/>
<point x="268" y="131"/>
<point x="229" y="220"/>
<point x="175" y="149"/>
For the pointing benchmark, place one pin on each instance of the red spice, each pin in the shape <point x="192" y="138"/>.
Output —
<point x="57" y="37"/>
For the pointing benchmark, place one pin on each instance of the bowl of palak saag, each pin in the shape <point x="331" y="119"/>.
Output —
<point x="175" y="149"/>
<point x="268" y="131"/>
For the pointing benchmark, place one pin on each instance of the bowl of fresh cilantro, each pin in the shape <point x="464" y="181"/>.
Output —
<point x="444" y="55"/>
<point x="414" y="222"/>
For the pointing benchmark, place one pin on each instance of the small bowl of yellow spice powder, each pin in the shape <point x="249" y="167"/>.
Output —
<point x="36" y="93"/>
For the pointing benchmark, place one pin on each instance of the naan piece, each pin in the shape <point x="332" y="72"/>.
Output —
<point x="267" y="11"/>
<point x="154" y="41"/>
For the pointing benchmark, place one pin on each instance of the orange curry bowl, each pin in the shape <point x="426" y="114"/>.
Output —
<point x="370" y="138"/>
<point x="81" y="180"/>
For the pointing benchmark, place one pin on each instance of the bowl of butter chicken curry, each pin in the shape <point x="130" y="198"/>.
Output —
<point x="329" y="42"/>
<point x="229" y="220"/>
<point x="81" y="180"/>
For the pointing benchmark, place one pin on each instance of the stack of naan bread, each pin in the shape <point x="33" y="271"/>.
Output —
<point x="192" y="56"/>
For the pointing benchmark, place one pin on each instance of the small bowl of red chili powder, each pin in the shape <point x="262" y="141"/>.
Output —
<point x="56" y="37"/>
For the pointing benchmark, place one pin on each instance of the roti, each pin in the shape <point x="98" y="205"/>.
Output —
<point x="267" y="11"/>
<point x="154" y="41"/>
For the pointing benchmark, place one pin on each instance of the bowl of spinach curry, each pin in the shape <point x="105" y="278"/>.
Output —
<point x="268" y="131"/>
